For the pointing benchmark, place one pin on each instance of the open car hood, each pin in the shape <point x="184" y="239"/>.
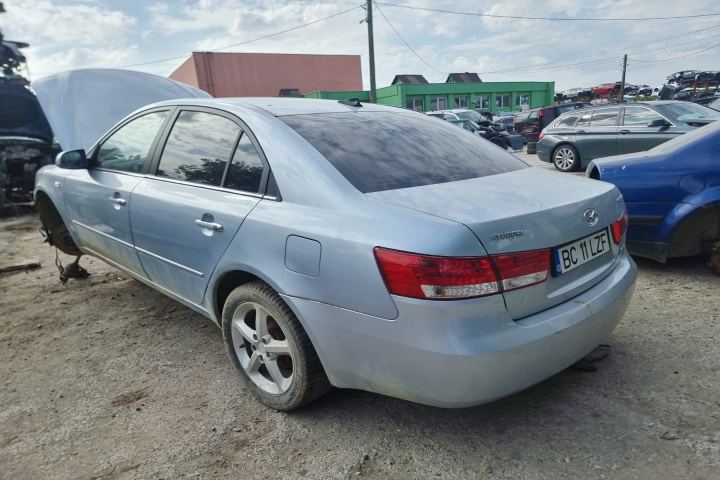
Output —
<point x="21" y="115"/>
<point x="81" y="105"/>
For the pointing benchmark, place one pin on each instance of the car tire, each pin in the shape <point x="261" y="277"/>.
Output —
<point x="274" y="357"/>
<point x="531" y="147"/>
<point x="566" y="158"/>
<point x="500" y="142"/>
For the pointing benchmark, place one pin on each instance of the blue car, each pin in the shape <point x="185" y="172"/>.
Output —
<point x="672" y="193"/>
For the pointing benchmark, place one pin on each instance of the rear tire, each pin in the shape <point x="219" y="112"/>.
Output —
<point x="500" y="142"/>
<point x="566" y="158"/>
<point x="270" y="349"/>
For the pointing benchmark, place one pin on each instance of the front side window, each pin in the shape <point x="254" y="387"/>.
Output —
<point x="126" y="149"/>
<point x="246" y="168"/>
<point x="378" y="151"/>
<point x="502" y="101"/>
<point x="605" y="118"/>
<point x="438" y="103"/>
<point x="414" y="104"/>
<point x="198" y="148"/>
<point x="638" y="116"/>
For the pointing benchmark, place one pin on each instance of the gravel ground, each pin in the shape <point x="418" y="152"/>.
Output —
<point x="105" y="378"/>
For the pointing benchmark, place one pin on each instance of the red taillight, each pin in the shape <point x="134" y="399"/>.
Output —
<point x="541" y="136"/>
<point x="519" y="270"/>
<point x="619" y="228"/>
<point x="446" y="278"/>
<point x="540" y="112"/>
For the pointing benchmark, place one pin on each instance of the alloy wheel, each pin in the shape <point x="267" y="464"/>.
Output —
<point x="262" y="348"/>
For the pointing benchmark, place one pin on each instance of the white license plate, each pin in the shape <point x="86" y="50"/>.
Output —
<point x="581" y="251"/>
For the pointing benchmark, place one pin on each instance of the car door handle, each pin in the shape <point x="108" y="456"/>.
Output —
<point x="216" y="227"/>
<point x="624" y="132"/>
<point x="118" y="201"/>
<point x="580" y="132"/>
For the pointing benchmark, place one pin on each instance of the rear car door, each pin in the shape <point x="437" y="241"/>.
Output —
<point x="599" y="137"/>
<point x="636" y="136"/>
<point x="98" y="198"/>
<point x="208" y="177"/>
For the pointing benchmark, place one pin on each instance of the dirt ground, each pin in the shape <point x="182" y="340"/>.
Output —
<point x="105" y="378"/>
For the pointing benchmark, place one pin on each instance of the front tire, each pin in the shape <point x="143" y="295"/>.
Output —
<point x="270" y="349"/>
<point x="566" y="158"/>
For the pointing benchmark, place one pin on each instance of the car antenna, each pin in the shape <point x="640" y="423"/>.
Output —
<point x="353" y="102"/>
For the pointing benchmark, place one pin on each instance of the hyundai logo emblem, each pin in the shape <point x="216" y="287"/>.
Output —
<point x="590" y="217"/>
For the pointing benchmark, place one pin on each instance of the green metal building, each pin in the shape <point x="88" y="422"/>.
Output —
<point x="483" y="96"/>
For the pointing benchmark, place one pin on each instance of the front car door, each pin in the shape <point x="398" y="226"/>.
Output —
<point x="636" y="136"/>
<point x="98" y="198"/>
<point x="208" y="177"/>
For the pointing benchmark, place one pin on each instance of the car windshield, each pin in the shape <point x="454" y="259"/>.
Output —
<point x="469" y="115"/>
<point x="378" y="151"/>
<point x="712" y="130"/>
<point x="685" y="111"/>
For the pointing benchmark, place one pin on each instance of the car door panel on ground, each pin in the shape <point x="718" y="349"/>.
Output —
<point x="636" y="136"/>
<point x="594" y="141"/>
<point x="184" y="217"/>
<point x="98" y="198"/>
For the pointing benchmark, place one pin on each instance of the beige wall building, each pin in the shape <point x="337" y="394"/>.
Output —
<point x="265" y="74"/>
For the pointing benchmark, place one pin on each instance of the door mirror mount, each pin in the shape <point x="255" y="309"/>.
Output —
<point x="660" y="122"/>
<point x="72" y="159"/>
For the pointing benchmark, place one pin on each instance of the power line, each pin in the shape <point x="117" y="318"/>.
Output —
<point x="556" y="19"/>
<point x="681" y="56"/>
<point x="403" y="40"/>
<point x="604" y="52"/>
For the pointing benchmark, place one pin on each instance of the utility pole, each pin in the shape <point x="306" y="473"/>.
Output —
<point x="371" y="48"/>
<point x="622" y="87"/>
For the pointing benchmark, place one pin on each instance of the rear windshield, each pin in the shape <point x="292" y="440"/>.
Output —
<point x="17" y="111"/>
<point x="378" y="151"/>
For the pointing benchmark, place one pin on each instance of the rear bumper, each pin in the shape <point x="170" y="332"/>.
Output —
<point x="475" y="356"/>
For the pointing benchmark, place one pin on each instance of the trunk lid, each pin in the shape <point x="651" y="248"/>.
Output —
<point x="528" y="209"/>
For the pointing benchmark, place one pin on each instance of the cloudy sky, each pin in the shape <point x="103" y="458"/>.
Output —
<point x="428" y="37"/>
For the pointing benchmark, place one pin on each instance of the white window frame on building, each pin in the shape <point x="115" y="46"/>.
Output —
<point x="522" y="101"/>
<point x="502" y="100"/>
<point x="461" y="101"/>
<point x="415" y="103"/>
<point x="435" y="103"/>
<point x="482" y="102"/>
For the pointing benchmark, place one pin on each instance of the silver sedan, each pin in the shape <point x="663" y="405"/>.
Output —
<point x="350" y="245"/>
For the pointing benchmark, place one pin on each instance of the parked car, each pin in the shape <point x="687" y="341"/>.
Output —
<point x="349" y="244"/>
<point x="573" y="93"/>
<point x="575" y="139"/>
<point x="607" y="88"/>
<point x="711" y="101"/>
<point x="685" y="77"/>
<point x="672" y="193"/>
<point x="530" y="123"/>
<point x="496" y="134"/>
<point x="26" y="142"/>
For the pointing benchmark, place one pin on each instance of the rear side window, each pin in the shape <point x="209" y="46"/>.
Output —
<point x="521" y="117"/>
<point x="566" y="121"/>
<point x="198" y="148"/>
<point x="585" y="120"/>
<point x="378" y="151"/>
<point x="639" y="116"/>
<point x="246" y="168"/>
<point x="605" y="117"/>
